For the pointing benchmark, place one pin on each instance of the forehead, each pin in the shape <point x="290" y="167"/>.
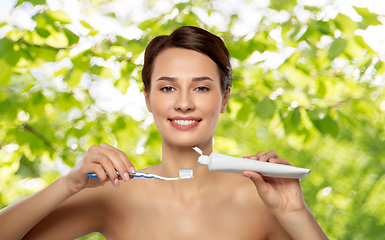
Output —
<point x="180" y="62"/>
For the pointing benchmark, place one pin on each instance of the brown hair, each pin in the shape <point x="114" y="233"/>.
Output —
<point x="192" y="38"/>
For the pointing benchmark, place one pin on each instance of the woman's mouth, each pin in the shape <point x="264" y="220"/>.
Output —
<point x="185" y="124"/>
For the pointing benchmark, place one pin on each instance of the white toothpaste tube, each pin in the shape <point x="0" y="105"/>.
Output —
<point x="223" y="163"/>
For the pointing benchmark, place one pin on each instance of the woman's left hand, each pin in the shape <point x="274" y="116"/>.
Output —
<point x="281" y="195"/>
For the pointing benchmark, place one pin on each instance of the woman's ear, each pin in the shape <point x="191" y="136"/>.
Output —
<point x="225" y="99"/>
<point x="147" y="98"/>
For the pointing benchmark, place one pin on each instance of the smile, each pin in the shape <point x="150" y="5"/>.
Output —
<point x="184" y="122"/>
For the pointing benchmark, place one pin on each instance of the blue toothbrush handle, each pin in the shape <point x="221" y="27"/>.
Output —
<point x="95" y="175"/>
<point x="137" y="174"/>
<point x="131" y="175"/>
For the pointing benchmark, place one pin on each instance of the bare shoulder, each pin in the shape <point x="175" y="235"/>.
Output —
<point x="91" y="210"/>
<point x="82" y="213"/>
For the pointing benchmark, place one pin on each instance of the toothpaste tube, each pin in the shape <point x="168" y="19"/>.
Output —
<point x="223" y="163"/>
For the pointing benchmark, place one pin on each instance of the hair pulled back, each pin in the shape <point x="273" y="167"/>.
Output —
<point x="191" y="38"/>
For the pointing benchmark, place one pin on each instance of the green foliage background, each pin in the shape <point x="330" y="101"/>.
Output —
<point x="313" y="110"/>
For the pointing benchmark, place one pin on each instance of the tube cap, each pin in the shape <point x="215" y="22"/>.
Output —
<point x="203" y="159"/>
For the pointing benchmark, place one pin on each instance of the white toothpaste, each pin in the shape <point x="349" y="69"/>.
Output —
<point x="223" y="163"/>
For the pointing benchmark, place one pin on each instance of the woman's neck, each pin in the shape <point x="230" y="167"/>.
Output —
<point x="175" y="158"/>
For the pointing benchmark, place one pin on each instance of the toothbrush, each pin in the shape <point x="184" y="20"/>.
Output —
<point x="183" y="174"/>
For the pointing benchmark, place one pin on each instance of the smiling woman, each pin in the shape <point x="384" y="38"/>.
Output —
<point x="183" y="83"/>
<point x="187" y="82"/>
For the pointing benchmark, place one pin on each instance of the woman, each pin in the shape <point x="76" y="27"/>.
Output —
<point x="187" y="82"/>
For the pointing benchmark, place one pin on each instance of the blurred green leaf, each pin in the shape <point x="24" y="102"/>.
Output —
<point x="291" y="120"/>
<point x="66" y="101"/>
<point x="345" y="24"/>
<point x="82" y="62"/>
<point x="59" y="16"/>
<point x="5" y="73"/>
<point x="73" y="77"/>
<point x="28" y="169"/>
<point x="72" y="37"/>
<point x="282" y="4"/>
<point x="244" y="112"/>
<point x="34" y="2"/>
<point x="324" y="123"/>
<point x="380" y="67"/>
<point x="241" y="49"/>
<point x="86" y="24"/>
<point x="42" y="32"/>
<point x="37" y="103"/>
<point x="360" y="41"/>
<point x="46" y="54"/>
<point x="368" y="18"/>
<point x="336" y="48"/>
<point x="6" y="47"/>
<point x="321" y="91"/>
<point x="122" y="85"/>
<point x="265" y="108"/>
<point x="127" y="68"/>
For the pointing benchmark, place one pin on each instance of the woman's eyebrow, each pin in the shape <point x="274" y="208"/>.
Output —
<point x="171" y="79"/>
<point x="195" y="79"/>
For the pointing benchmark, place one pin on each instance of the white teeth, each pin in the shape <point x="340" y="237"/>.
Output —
<point x="184" y="122"/>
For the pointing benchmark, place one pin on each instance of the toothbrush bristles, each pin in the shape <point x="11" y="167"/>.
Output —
<point x="185" y="174"/>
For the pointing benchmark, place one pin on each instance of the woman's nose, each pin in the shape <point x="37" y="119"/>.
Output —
<point x="184" y="102"/>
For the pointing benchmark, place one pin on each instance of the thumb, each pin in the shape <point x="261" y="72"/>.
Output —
<point x="259" y="182"/>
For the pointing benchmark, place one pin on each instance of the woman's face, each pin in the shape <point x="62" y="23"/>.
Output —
<point x="185" y="97"/>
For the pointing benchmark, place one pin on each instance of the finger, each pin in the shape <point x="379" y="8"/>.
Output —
<point x="257" y="156"/>
<point x="270" y="154"/>
<point x="259" y="182"/>
<point x="102" y="176"/>
<point x="123" y="157"/>
<point x="114" y="155"/>
<point x="280" y="161"/>
<point x="90" y="167"/>
<point x="108" y="167"/>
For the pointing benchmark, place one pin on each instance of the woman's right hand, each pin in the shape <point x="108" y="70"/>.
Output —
<point x="100" y="159"/>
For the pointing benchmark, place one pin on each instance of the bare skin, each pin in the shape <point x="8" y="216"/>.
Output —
<point x="152" y="209"/>
<point x="185" y="85"/>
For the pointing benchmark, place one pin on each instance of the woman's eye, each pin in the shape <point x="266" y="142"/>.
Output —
<point x="202" y="89"/>
<point x="167" y="89"/>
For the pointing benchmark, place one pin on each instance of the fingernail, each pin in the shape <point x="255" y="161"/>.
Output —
<point x="246" y="175"/>
<point x="116" y="183"/>
<point x="103" y="183"/>
<point x="126" y="176"/>
<point x="263" y="156"/>
<point x="132" y="170"/>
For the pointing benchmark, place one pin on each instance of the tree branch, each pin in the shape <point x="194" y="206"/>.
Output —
<point x="39" y="135"/>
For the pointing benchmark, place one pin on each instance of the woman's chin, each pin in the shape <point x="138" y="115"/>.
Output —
<point x="187" y="142"/>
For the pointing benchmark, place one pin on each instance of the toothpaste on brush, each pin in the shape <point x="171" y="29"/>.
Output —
<point x="223" y="163"/>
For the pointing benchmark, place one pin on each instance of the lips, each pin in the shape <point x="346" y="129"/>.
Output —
<point x="184" y="123"/>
